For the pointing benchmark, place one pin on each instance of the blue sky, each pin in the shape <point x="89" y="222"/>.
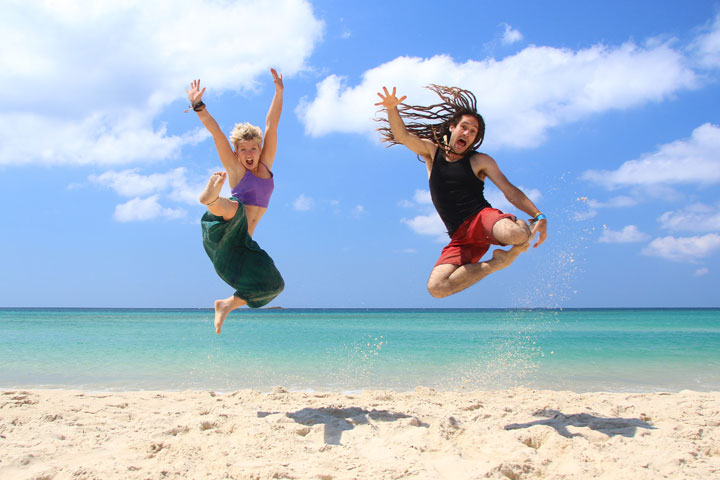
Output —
<point x="604" y="113"/>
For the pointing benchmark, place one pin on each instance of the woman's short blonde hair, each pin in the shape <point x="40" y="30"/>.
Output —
<point x="245" y="131"/>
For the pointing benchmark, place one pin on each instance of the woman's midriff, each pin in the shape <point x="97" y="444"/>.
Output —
<point x="253" y="213"/>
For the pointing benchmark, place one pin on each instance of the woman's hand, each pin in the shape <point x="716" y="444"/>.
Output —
<point x="194" y="93"/>
<point x="277" y="78"/>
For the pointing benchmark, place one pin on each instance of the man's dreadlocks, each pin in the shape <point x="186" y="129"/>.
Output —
<point x="433" y="122"/>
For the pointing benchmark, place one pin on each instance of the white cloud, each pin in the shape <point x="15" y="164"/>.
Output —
<point x="498" y="200"/>
<point x="683" y="248"/>
<point x="429" y="224"/>
<point x="303" y="203"/>
<point x="707" y="46"/>
<point x="620" y="201"/>
<point x="692" y="161"/>
<point x="424" y="223"/>
<point x="520" y="96"/>
<point x="143" y="209"/>
<point x="130" y="183"/>
<point x="585" y="215"/>
<point x="358" y="210"/>
<point x="90" y="78"/>
<point x="422" y="197"/>
<point x="702" y="271"/>
<point x="629" y="234"/>
<point x="693" y="218"/>
<point x="100" y="139"/>
<point x="511" y="35"/>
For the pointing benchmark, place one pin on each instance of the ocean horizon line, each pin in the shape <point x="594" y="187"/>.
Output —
<point x="370" y="309"/>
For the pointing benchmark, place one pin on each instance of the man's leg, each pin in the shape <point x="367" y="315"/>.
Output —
<point x="509" y="232"/>
<point x="223" y="308"/>
<point x="447" y="279"/>
<point x="219" y="206"/>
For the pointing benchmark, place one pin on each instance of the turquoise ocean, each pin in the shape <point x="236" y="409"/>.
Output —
<point x="638" y="350"/>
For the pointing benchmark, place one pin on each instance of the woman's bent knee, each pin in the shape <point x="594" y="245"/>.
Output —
<point x="225" y="208"/>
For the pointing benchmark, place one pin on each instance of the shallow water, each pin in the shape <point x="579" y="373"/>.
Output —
<point x="356" y="349"/>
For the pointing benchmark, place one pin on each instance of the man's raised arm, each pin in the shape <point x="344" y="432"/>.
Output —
<point x="422" y="147"/>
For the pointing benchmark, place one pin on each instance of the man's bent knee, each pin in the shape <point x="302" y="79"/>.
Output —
<point x="437" y="292"/>
<point x="439" y="284"/>
<point x="438" y="288"/>
<point x="511" y="232"/>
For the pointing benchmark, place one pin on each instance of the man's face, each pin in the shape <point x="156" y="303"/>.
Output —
<point x="463" y="135"/>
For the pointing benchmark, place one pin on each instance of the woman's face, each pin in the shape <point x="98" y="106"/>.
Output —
<point x="248" y="152"/>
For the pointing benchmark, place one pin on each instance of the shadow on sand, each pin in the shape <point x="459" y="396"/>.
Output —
<point x="627" y="427"/>
<point x="338" y="420"/>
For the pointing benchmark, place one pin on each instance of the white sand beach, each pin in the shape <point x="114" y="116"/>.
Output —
<point x="424" y="434"/>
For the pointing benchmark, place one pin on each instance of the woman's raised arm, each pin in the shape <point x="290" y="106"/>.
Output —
<point x="225" y="152"/>
<point x="271" y="122"/>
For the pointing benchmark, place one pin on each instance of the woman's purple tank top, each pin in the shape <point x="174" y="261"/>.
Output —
<point x="252" y="190"/>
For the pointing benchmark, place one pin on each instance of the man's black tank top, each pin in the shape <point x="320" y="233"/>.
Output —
<point x="456" y="191"/>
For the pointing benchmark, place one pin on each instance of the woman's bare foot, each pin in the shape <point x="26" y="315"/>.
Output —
<point x="223" y="308"/>
<point x="221" y="312"/>
<point x="212" y="191"/>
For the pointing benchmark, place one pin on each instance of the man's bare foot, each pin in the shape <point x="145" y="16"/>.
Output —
<point x="504" y="258"/>
<point x="212" y="191"/>
<point x="222" y="309"/>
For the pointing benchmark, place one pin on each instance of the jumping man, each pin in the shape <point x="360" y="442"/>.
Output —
<point x="445" y="136"/>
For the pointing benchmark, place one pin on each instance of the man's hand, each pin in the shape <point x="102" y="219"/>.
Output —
<point x="541" y="227"/>
<point x="389" y="100"/>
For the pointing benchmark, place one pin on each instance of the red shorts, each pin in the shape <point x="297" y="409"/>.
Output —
<point x="473" y="238"/>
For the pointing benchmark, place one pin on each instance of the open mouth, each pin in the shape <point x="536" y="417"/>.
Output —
<point x="461" y="144"/>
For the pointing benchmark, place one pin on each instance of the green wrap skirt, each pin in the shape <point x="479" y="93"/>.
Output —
<point x="239" y="260"/>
